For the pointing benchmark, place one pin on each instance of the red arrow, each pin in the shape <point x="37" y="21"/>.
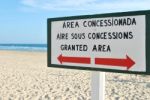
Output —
<point x="82" y="60"/>
<point x="128" y="62"/>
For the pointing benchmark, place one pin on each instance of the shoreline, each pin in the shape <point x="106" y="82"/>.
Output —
<point x="44" y="51"/>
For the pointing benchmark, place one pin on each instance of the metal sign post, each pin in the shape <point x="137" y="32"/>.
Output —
<point x="98" y="86"/>
<point x="114" y="42"/>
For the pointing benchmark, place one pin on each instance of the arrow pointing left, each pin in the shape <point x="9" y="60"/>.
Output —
<point x="67" y="59"/>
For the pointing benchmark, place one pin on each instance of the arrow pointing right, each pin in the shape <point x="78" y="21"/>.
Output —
<point x="128" y="62"/>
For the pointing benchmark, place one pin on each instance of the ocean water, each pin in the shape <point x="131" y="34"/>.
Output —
<point x="24" y="47"/>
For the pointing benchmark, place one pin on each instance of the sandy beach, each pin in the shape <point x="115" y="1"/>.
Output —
<point x="25" y="76"/>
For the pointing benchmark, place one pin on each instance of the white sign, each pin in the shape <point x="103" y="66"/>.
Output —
<point x="107" y="43"/>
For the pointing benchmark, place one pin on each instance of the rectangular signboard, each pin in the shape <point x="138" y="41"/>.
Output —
<point x="115" y="42"/>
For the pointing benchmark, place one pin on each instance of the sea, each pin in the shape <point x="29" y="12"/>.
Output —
<point x="24" y="47"/>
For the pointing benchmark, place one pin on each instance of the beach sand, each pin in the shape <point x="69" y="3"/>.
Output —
<point x="25" y="76"/>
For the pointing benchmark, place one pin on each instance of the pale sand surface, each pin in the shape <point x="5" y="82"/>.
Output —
<point x="25" y="76"/>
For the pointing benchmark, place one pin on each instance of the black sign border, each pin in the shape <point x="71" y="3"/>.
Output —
<point x="119" y="14"/>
